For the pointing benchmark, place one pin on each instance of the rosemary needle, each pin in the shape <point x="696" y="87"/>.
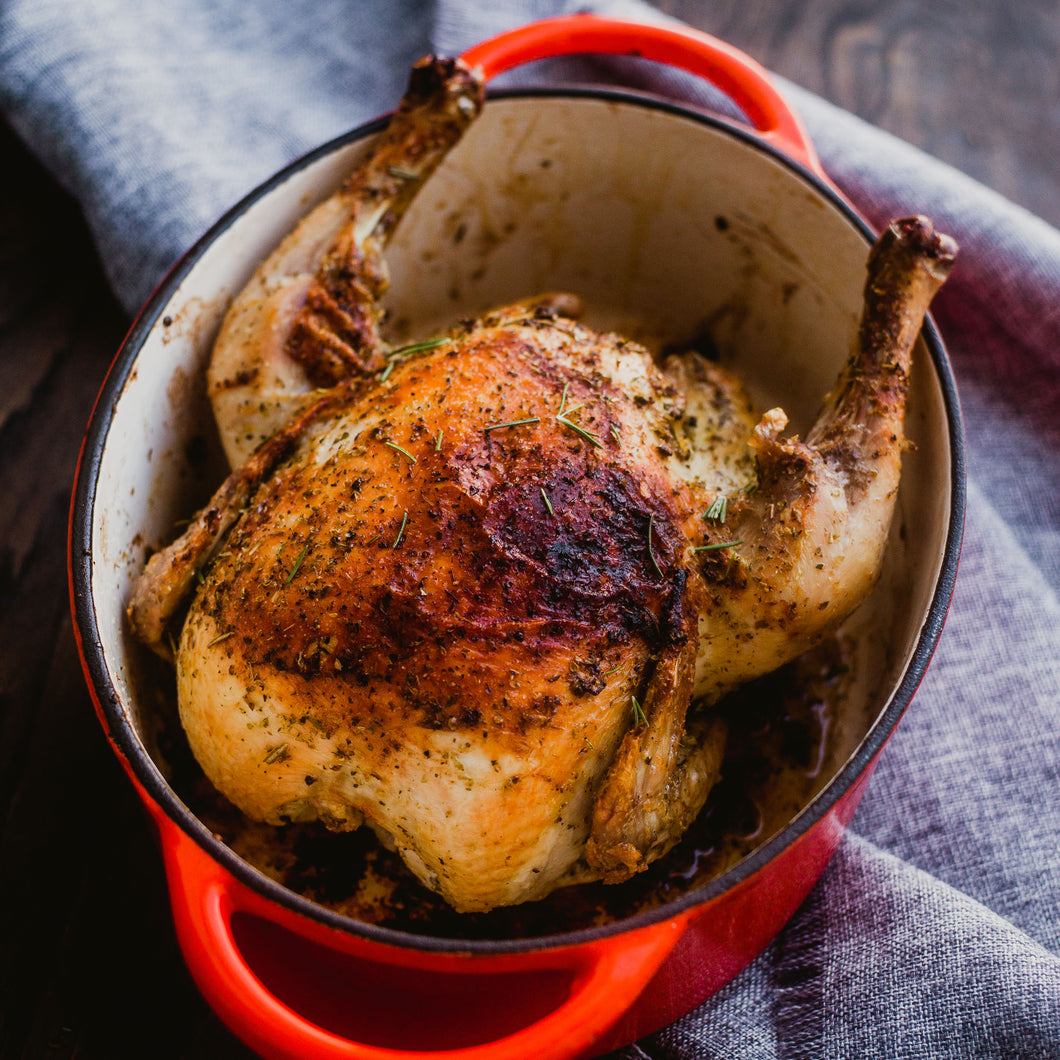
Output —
<point x="639" y="717"/>
<point x="403" y="452"/>
<point x="715" y="547"/>
<point x="548" y="503"/>
<point x="512" y="423"/>
<point x="415" y="347"/>
<point x="402" y="352"/>
<point x="718" y="509"/>
<point x="651" y="551"/>
<point x="401" y="530"/>
<point x="438" y="442"/>
<point x="297" y="564"/>
<point x="563" y="413"/>
<point x="587" y="435"/>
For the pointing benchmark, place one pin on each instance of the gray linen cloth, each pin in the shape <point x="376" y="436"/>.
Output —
<point x="935" y="932"/>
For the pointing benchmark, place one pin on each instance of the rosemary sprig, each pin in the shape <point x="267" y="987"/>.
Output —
<point x="402" y="352"/>
<point x="564" y="413"/>
<point x="548" y="503"/>
<point x="297" y="564"/>
<point x="416" y="347"/>
<point x="639" y="717"/>
<point x="651" y="550"/>
<point x="401" y="530"/>
<point x="512" y="423"/>
<point x="587" y="435"/>
<point x="718" y="510"/>
<point x="403" y="452"/>
<point x="717" y="545"/>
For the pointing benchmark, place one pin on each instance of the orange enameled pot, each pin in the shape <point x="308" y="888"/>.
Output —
<point x="664" y="219"/>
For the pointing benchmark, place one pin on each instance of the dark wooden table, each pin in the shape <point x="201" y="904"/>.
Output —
<point x="88" y="963"/>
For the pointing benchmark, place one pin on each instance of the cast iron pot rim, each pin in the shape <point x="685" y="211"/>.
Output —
<point x="127" y="742"/>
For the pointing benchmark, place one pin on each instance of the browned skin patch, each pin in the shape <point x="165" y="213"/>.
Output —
<point x="170" y="574"/>
<point x="403" y="573"/>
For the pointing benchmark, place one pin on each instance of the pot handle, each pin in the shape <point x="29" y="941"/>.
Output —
<point x="605" y="980"/>
<point x="738" y="75"/>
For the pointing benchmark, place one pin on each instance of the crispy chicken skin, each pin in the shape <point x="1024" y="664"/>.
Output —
<point x="438" y="610"/>
<point x="466" y="593"/>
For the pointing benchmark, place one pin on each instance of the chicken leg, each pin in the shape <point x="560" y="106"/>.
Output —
<point x="787" y="559"/>
<point x="310" y="316"/>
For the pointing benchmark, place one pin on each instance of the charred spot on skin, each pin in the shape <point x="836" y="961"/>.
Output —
<point x="240" y="379"/>
<point x="540" y="712"/>
<point x="584" y="677"/>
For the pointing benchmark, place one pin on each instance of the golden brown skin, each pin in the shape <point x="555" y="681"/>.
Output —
<point x="469" y="599"/>
<point x="418" y="586"/>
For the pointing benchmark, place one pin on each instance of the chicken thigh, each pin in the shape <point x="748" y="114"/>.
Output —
<point x="466" y="592"/>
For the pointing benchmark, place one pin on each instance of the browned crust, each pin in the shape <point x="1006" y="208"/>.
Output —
<point x="480" y="564"/>
<point x="171" y="573"/>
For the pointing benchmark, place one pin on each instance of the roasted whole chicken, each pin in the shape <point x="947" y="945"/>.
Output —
<point x="466" y="592"/>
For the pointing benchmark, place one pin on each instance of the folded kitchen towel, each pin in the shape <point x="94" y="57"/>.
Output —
<point x="935" y="932"/>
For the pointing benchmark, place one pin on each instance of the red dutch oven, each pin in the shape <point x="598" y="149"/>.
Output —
<point x="651" y="211"/>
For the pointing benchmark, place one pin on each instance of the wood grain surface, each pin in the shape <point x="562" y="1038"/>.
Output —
<point x="89" y="967"/>
<point x="974" y="84"/>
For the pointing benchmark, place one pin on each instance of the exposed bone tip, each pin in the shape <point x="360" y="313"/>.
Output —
<point x="435" y="77"/>
<point x="559" y="304"/>
<point x="919" y="235"/>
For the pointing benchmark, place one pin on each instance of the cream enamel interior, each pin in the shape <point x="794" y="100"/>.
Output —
<point x="665" y="225"/>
